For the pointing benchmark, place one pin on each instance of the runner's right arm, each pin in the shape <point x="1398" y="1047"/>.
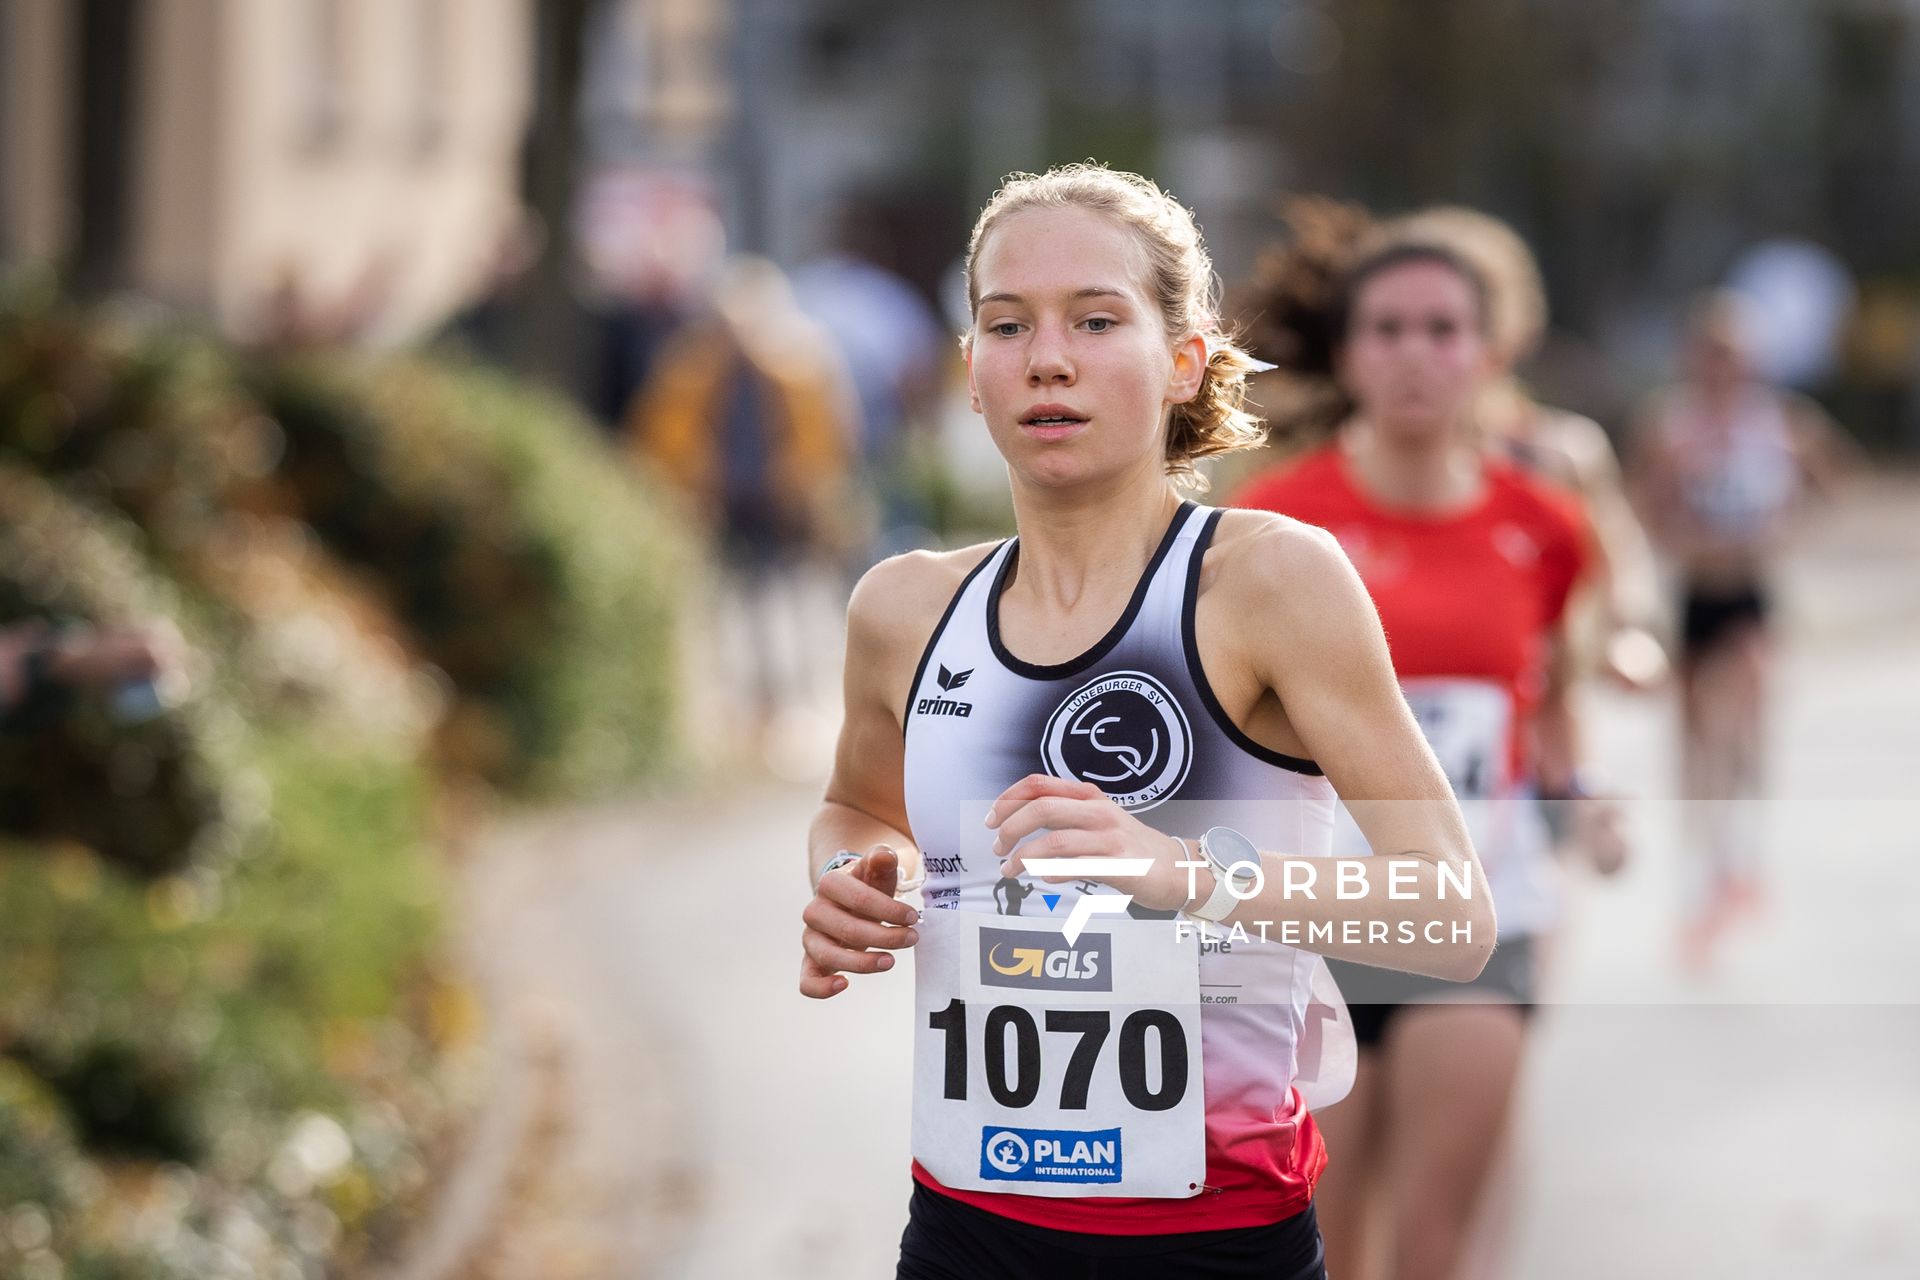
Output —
<point x="853" y="910"/>
<point x="1627" y="571"/>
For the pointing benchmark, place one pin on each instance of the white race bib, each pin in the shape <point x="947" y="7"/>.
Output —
<point x="1467" y="723"/>
<point x="1055" y="1070"/>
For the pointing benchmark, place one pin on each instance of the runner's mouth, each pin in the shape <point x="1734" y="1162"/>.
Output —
<point x="1051" y="421"/>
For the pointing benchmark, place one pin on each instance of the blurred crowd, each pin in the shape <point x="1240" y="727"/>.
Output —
<point x="814" y="420"/>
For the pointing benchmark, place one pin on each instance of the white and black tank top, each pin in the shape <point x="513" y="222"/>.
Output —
<point x="1135" y="716"/>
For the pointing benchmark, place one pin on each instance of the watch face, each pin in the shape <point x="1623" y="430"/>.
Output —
<point x="1229" y="846"/>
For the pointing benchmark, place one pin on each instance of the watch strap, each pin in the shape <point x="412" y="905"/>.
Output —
<point x="846" y="857"/>
<point x="1221" y="902"/>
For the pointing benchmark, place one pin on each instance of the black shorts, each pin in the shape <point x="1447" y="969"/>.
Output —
<point x="1375" y="995"/>
<point x="947" y="1239"/>
<point x="1708" y="614"/>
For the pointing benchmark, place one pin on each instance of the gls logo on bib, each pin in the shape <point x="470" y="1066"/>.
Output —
<point x="1042" y="962"/>
<point x="1049" y="1155"/>
<point x="1124" y="733"/>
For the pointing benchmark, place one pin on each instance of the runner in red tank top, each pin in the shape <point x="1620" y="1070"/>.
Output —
<point x="1473" y="593"/>
<point x="1470" y="564"/>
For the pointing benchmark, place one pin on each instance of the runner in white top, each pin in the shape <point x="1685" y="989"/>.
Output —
<point x="1723" y="463"/>
<point x="1133" y="673"/>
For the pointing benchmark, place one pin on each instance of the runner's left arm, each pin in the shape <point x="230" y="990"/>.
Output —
<point x="1316" y="641"/>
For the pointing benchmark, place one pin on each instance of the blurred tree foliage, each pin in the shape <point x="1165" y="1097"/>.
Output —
<point x="526" y="565"/>
<point x="206" y="949"/>
<point x="226" y="1032"/>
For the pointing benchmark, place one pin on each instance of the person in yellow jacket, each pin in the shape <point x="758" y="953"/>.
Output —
<point x="751" y="415"/>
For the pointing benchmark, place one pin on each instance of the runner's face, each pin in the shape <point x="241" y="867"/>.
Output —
<point x="1715" y="359"/>
<point x="1415" y="354"/>
<point x="1071" y="365"/>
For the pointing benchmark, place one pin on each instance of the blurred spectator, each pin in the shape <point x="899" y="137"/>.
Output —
<point x="651" y="243"/>
<point x="634" y="328"/>
<point x="892" y="344"/>
<point x="750" y="415"/>
<point x="41" y="669"/>
<point x="486" y="324"/>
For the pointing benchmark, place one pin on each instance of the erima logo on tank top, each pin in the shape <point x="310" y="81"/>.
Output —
<point x="949" y="682"/>
<point x="1125" y="733"/>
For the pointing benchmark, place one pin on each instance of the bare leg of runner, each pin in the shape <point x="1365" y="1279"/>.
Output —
<point x="1345" y="1199"/>
<point x="1450" y="1072"/>
<point x="1748" y="660"/>
<point x="1489" y="1240"/>
<point x="1723" y="716"/>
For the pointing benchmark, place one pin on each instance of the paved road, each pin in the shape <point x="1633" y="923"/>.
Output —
<point x="1758" y="1123"/>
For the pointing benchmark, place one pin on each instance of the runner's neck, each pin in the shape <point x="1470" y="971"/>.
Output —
<point x="1066" y="551"/>
<point x="1432" y="478"/>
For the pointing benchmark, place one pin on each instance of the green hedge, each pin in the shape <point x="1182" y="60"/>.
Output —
<point x="526" y="560"/>
<point x="225" y="1029"/>
<point x="151" y="798"/>
<point x="250" y="1057"/>
<point x="227" y="956"/>
<point x="148" y="420"/>
<point x="488" y="523"/>
<point x="134" y="414"/>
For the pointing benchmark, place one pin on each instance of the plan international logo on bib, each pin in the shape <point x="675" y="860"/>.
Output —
<point x="1050" y="1155"/>
<point x="1038" y="962"/>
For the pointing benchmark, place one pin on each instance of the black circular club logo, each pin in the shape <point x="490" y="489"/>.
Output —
<point x="1124" y="733"/>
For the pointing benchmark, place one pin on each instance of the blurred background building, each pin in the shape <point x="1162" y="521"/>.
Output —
<point x="231" y="158"/>
<point x="371" y="161"/>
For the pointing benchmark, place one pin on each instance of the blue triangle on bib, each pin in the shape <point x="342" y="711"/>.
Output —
<point x="1051" y="899"/>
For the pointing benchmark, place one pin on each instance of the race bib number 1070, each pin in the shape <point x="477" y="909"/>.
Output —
<point x="1056" y="1070"/>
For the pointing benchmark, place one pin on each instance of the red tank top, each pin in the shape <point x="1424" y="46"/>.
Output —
<point x="1471" y="593"/>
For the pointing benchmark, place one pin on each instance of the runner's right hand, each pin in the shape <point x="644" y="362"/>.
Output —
<point x="853" y="910"/>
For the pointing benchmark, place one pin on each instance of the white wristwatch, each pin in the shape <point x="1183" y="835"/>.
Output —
<point x="1223" y="848"/>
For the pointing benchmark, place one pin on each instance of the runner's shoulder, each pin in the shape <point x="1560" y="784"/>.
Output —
<point x="1549" y="509"/>
<point x="1580" y="446"/>
<point x="899" y="601"/>
<point x="1275" y="563"/>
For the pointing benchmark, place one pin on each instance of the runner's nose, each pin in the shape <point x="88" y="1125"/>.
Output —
<point x="1047" y="359"/>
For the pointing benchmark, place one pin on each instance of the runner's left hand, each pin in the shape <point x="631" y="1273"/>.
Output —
<point x="1080" y="820"/>
<point x="1599" y="832"/>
